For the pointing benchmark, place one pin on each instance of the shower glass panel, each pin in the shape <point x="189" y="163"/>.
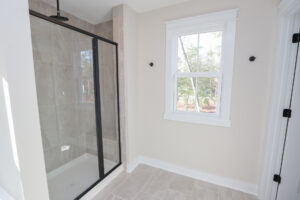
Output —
<point x="109" y="104"/>
<point x="76" y="79"/>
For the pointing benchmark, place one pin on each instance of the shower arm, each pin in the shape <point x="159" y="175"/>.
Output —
<point x="58" y="16"/>
<point x="57" y="7"/>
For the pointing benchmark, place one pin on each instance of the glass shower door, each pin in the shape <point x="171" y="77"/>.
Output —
<point x="63" y="61"/>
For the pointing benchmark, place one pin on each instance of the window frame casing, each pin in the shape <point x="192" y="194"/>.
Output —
<point x="224" y="21"/>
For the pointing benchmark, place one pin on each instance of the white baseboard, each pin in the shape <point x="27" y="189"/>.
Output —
<point x="98" y="188"/>
<point x="132" y="165"/>
<point x="211" y="178"/>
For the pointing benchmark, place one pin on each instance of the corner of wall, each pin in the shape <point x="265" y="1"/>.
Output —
<point x="124" y="33"/>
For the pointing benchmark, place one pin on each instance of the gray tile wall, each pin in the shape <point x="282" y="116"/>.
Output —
<point x="65" y="118"/>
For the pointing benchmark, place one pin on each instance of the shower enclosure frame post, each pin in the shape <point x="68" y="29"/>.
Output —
<point x="95" y="38"/>
<point x="98" y="107"/>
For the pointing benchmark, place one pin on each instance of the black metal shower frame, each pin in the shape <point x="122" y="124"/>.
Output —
<point x="95" y="38"/>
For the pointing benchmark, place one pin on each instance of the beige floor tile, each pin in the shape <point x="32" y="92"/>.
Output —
<point x="112" y="197"/>
<point x="146" y="196"/>
<point x="148" y="183"/>
<point x="176" y="195"/>
<point x="204" y="193"/>
<point x="134" y="183"/>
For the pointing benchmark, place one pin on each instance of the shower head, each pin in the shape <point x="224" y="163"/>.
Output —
<point x="58" y="16"/>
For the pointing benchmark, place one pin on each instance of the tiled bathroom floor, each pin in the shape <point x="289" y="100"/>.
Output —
<point x="147" y="183"/>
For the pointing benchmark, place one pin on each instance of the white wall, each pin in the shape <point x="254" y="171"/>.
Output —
<point x="234" y="152"/>
<point x="10" y="179"/>
<point x="22" y="170"/>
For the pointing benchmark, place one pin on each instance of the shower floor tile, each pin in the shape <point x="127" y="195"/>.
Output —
<point x="71" y="179"/>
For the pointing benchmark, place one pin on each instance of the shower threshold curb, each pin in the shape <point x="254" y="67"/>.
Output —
<point x="105" y="182"/>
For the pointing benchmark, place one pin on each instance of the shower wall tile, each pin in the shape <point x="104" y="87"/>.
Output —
<point x="105" y="29"/>
<point x="53" y="159"/>
<point x="41" y="41"/>
<point x="40" y="6"/>
<point x="44" y="56"/>
<point x="69" y="137"/>
<point x="67" y="116"/>
<point x="62" y="56"/>
<point x="66" y="84"/>
<point x="82" y="143"/>
<point x="91" y="141"/>
<point x="44" y="83"/>
<point x="50" y="138"/>
<point x="42" y="48"/>
<point x="111" y="150"/>
<point x="62" y="45"/>
<point x="48" y="117"/>
<point x="109" y="128"/>
<point x="87" y="119"/>
<point x="74" y="152"/>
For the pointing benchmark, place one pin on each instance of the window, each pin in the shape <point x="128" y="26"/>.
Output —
<point x="200" y="54"/>
<point x="86" y="78"/>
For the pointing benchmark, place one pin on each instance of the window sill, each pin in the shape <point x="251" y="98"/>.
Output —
<point x="197" y="119"/>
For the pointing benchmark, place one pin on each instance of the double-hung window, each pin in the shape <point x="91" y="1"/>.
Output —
<point x="199" y="66"/>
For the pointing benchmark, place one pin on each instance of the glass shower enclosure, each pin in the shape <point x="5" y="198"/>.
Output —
<point x="77" y="87"/>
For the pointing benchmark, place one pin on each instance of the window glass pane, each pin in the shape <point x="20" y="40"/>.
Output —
<point x="210" y="51"/>
<point x="185" y="94"/>
<point x="207" y="94"/>
<point x="200" y="52"/>
<point x="187" y="53"/>
<point x="197" y="94"/>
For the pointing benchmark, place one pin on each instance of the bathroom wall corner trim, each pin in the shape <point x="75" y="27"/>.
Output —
<point x="132" y="165"/>
<point x="105" y="182"/>
<point x="203" y="176"/>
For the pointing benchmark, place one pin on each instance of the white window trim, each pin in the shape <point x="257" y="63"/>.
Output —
<point x="224" y="21"/>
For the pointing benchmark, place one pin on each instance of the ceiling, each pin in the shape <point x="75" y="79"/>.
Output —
<point x="96" y="11"/>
